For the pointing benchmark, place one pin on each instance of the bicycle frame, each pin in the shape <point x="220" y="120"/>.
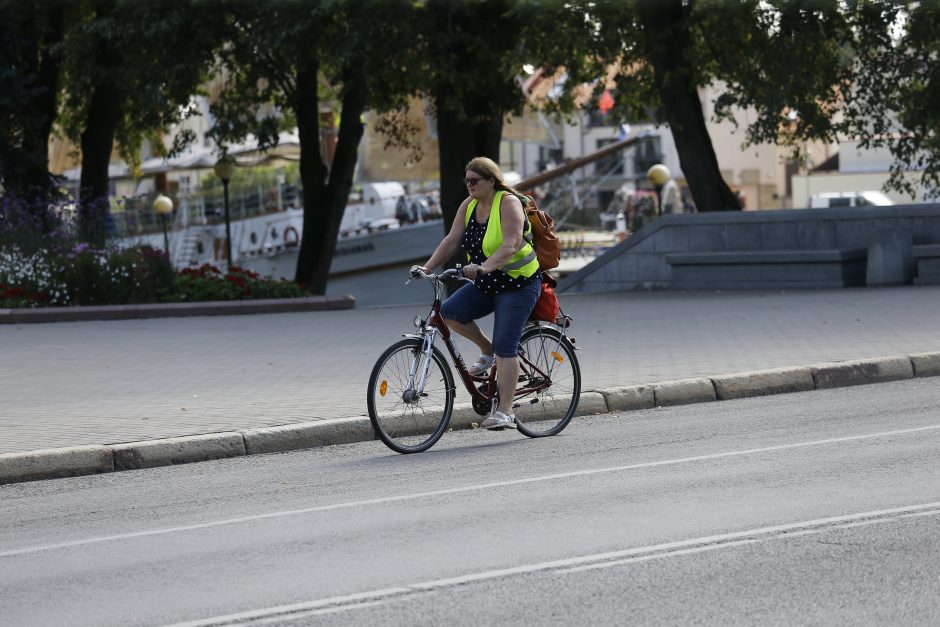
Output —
<point x="433" y="325"/>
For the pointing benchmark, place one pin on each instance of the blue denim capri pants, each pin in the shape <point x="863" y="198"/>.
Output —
<point x="511" y="311"/>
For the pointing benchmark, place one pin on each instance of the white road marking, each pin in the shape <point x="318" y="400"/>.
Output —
<point x="571" y="565"/>
<point x="446" y="491"/>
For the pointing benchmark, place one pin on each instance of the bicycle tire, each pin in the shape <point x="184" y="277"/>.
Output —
<point x="554" y="355"/>
<point x="409" y="426"/>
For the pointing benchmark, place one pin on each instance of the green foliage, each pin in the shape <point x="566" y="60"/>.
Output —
<point x="154" y="54"/>
<point x="209" y="283"/>
<point x="252" y="178"/>
<point x="116" y="277"/>
<point x="363" y="44"/>
<point x="830" y="70"/>
<point x="87" y="276"/>
<point x="894" y="102"/>
<point x="31" y="35"/>
<point x="756" y="58"/>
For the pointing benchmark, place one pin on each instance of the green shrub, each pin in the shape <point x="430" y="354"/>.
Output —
<point x="86" y="276"/>
<point x="140" y="274"/>
<point x="208" y="283"/>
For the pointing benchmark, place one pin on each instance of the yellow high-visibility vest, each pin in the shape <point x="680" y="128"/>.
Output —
<point x="524" y="262"/>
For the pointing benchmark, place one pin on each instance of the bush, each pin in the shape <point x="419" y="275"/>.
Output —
<point x="30" y="279"/>
<point x="140" y="274"/>
<point x="42" y="265"/>
<point x="208" y="283"/>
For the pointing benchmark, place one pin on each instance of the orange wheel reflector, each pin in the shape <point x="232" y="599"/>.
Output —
<point x="558" y="357"/>
<point x="383" y="388"/>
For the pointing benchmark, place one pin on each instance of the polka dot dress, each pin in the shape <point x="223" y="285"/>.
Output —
<point x="492" y="282"/>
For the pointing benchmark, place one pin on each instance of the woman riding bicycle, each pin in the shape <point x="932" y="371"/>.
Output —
<point x="489" y="225"/>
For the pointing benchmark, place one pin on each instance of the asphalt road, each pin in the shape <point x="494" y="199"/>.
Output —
<point x="814" y="508"/>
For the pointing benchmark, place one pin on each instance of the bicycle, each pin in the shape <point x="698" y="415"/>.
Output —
<point x="411" y="388"/>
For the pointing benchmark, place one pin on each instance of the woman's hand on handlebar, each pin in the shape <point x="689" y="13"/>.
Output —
<point x="417" y="271"/>
<point x="473" y="270"/>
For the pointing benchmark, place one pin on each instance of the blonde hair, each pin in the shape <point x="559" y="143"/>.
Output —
<point x="487" y="168"/>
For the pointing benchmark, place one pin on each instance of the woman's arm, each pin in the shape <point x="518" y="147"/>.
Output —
<point x="451" y="242"/>
<point x="512" y="219"/>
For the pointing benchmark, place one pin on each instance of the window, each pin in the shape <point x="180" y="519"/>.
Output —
<point x="647" y="154"/>
<point x="611" y="165"/>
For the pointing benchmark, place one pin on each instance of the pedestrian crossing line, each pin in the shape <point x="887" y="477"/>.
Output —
<point x="295" y="611"/>
<point x="458" y="490"/>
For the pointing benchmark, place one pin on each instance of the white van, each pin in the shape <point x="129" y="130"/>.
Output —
<point x="849" y="199"/>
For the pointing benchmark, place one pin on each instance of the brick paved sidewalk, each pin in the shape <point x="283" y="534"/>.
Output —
<point x="66" y="384"/>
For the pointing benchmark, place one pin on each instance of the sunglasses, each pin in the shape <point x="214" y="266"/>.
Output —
<point x="470" y="182"/>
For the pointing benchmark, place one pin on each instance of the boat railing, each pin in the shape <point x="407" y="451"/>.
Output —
<point x="136" y="215"/>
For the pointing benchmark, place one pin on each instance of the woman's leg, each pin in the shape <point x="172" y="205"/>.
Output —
<point x="462" y="309"/>
<point x="507" y="377"/>
<point x="512" y="311"/>
<point x="472" y="332"/>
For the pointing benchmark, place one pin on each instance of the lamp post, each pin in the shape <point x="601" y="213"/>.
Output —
<point x="658" y="175"/>
<point x="163" y="205"/>
<point x="225" y="170"/>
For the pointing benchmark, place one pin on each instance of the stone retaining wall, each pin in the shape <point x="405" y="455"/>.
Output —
<point x="640" y="261"/>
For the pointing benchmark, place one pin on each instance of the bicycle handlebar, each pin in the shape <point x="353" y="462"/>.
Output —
<point x="453" y="273"/>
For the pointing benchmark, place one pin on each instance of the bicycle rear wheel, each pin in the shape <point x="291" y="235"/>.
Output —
<point x="406" y="421"/>
<point x="549" y="411"/>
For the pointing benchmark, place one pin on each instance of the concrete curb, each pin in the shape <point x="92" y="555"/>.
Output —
<point x="683" y="392"/>
<point x="54" y="463"/>
<point x="86" y="460"/>
<point x="170" y="451"/>
<point x="307" y="435"/>
<point x="926" y="364"/>
<point x="763" y="382"/>
<point x="176" y="310"/>
<point x="629" y="398"/>
<point x="863" y="371"/>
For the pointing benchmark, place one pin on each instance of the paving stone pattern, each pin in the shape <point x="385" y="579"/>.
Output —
<point x="77" y="383"/>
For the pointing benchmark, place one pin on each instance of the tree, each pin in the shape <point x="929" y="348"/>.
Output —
<point x="288" y="60"/>
<point x="132" y="68"/>
<point x="31" y="34"/>
<point x="473" y="55"/>
<point x="668" y="47"/>
<point x="661" y="66"/>
<point x="862" y="70"/>
<point x="894" y="96"/>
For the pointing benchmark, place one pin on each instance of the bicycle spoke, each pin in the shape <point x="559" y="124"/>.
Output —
<point x="554" y="406"/>
<point x="405" y="420"/>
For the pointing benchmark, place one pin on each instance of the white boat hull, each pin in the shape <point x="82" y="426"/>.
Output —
<point x="357" y="253"/>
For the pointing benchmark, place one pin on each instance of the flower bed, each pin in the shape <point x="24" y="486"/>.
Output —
<point x="86" y="276"/>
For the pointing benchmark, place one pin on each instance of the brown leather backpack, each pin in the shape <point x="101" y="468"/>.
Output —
<point x="547" y="246"/>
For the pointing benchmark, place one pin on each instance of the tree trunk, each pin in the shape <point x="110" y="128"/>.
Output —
<point x="97" y="141"/>
<point x="45" y="104"/>
<point x="326" y="191"/>
<point x="668" y="43"/>
<point x="458" y="143"/>
<point x="97" y="144"/>
<point x="27" y="173"/>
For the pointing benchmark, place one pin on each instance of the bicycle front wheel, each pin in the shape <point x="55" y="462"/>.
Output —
<point x="407" y="419"/>
<point x="549" y="354"/>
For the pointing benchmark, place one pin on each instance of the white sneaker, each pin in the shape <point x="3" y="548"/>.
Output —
<point x="497" y="421"/>
<point x="482" y="365"/>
